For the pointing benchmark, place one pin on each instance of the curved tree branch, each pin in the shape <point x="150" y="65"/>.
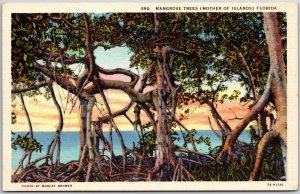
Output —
<point x="260" y="150"/>
<point x="36" y="86"/>
<point x="112" y="122"/>
<point x="261" y="103"/>
<point x="133" y="76"/>
<point x="212" y="128"/>
<point x="64" y="21"/>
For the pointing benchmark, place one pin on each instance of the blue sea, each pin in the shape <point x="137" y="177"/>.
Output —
<point x="70" y="143"/>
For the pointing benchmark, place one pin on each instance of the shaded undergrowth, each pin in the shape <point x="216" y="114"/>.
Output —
<point x="271" y="168"/>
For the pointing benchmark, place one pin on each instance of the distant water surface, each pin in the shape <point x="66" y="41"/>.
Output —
<point x="70" y="143"/>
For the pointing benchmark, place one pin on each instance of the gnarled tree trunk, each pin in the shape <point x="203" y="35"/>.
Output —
<point x="278" y="89"/>
<point x="83" y="121"/>
<point x="162" y="160"/>
<point x="166" y="154"/>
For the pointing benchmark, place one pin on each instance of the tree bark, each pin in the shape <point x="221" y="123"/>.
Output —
<point x="112" y="122"/>
<point x="278" y="89"/>
<point x="83" y="124"/>
<point x="223" y="125"/>
<point x="28" y="154"/>
<point x="96" y="138"/>
<point x="27" y="116"/>
<point x="262" y="125"/>
<point x="137" y="122"/>
<point x="259" y="154"/>
<point x="59" y="127"/>
<point x="163" y="132"/>
<point x="89" y="141"/>
<point x="261" y="103"/>
<point x="215" y="132"/>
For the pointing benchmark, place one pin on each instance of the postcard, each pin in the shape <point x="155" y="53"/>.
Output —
<point x="150" y="96"/>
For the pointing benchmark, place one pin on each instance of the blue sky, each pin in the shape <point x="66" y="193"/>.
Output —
<point x="118" y="57"/>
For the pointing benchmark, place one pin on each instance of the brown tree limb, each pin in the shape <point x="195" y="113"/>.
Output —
<point x="89" y="144"/>
<point x="88" y="47"/>
<point x="134" y="95"/>
<point x="55" y="56"/>
<point x="235" y="116"/>
<point x="115" y="127"/>
<point x="197" y="162"/>
<point x="150" y="116"/>
<point x="37" y="160"/>
<point x="89" y="70"/>
<point x="134" y="78"/>
<point x="129" y="119"/>
<point x="259" y="154"/>
<point x="104" y="140"/>
<point x="261" y="103"/>
<point x="82" y="125"/>
<point x="188" y="173"/>
<point x="279" y="82"/>
<point x="67" y="84"/>
<point x="64" y="21"/>
<point x="224" y="125"/>
<point x="212" y="128"/>
<point x="137" y="122"/>
<point x="34" y="87"/>
<point x="27" y="116"/>
<point x="61" y="119"/>
<point x="196" y="152"/>
<point x="106" y="119"/>
<point x="82" y="158"/>
<point x="30" y="127"/>
<point x="64" y="82"/>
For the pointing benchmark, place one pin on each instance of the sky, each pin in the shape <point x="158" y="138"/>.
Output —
<point x="44" y="115"/>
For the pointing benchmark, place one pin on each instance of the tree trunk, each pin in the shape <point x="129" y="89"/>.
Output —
<point x="137" y="122"/>
<point x="165" y="145"/>
<point x="278" y="89"/>
<point x="83" y="121"/>
<point x="96" y="139"/>
<point x="223" y="125"/>
<point x="162" y="160"/>
<point x="89" y="141"/>
<point x="105" y="142"/>
<point x="27" y="116"/>
<point x="59" y="127"/>
<point x="232" y="137"/>
<point x="262" y="124"/>
<point x="30" y="128"/>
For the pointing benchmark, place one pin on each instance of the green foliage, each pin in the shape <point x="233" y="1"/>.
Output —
<point x="253" y="133"/>
<point x="204" y="73"/>
<point x="271" y="168"/>
<point x="187" y="140"/>
<point x="147" y="144"/>
<point x="175" y="136"/>
<point x="26" y="143"/>
<point x="204" y="140"/>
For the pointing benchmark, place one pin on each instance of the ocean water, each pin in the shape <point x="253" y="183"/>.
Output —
<point x="70" y="143"/>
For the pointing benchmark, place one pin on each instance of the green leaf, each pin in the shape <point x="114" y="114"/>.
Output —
<point x="25" y="56"/>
